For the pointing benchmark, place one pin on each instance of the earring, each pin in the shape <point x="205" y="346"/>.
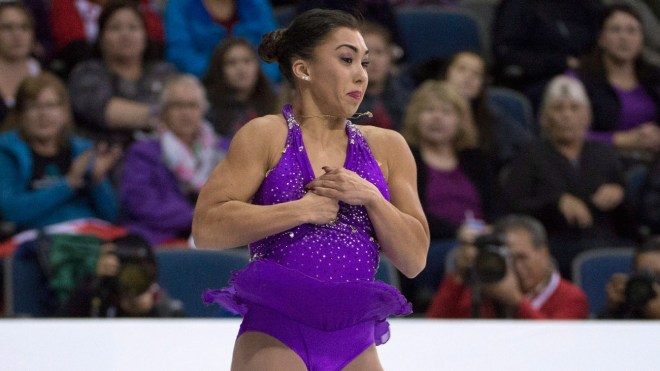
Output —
<point x="305" y="77"/>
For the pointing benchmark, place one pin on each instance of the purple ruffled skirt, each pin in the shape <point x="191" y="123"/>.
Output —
<point x="327" y="306"/>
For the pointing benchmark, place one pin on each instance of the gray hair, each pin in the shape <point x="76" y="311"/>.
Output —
<point x="185" y="79"/>
<point x="524" y="222"/>
<point x="564" y="87"/>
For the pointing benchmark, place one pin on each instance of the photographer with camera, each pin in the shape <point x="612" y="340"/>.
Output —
<point x="636" y="296"/>
<point x="124" y="285"/>
<point x="508" y="273"/>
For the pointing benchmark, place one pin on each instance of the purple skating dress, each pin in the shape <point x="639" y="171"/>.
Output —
<point x="321" y="276"/>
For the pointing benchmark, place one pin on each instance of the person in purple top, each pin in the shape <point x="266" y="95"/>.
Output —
<point x="162" y="176"/>
<point x="454" y="177"/>
<point x="624" y="89"/>
<point x="316" y="199"/>
<point x="456" y="181"/>
<point x="625" y="93"/>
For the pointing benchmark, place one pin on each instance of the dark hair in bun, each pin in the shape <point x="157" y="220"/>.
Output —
<point x="304" y="33"/>
<point x="270" y="44"/>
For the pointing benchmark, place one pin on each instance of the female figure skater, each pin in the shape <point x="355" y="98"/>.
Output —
<point x="316" y="199"/>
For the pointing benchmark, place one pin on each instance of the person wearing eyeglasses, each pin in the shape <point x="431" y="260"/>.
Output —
<point x="49" y="174"/>
<point x="163" y="176"/>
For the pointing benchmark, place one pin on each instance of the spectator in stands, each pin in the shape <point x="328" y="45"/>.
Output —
<point x="624" y="89"/>
<point x="16" y="42"/>
<point x="162" y="177"/>
<point x="49" y="175"/>
<point x="237" y="87"/>
<point x="75" y="28"/>
<point x="116" y="94"/>
<point x="454" y="178"/>
<point x="195" y="27"/>
<point x="530" y="289"/>
<point x="649" y="13"/>
<point x="636" y="296"/>
<point x="125" y="284"/>
<point x="388" y="93"/>
<point x="572" y="185"/>
<point x="500" y="135"/>
<point x="535" y="40"/>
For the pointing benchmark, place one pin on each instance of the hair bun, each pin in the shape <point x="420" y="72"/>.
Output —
<point x="270" y="46"/>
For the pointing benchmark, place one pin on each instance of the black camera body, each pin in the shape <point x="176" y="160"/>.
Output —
<point x="137" y="269"/>
<point x="490" y="264"/>
<point x="639" y="289"/>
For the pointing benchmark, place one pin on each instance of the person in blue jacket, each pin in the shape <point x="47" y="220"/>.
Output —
<point x="50" y="175"/>
<point x="193" y="28"/>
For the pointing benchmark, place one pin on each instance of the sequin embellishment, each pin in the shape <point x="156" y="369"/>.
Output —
<point x="344" y="251"/>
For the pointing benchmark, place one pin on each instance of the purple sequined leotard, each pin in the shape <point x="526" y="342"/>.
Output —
<point x="312" y="287"/>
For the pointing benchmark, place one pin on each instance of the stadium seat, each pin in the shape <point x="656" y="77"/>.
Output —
<point x="186" y="273"/>
<point x="26" y="291"/>
<point x="516" y="105"/>
<point x="592" y="270"/>
<point x="433" y="32"/>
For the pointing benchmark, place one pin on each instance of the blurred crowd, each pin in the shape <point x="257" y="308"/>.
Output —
<point x="118" y="111"/>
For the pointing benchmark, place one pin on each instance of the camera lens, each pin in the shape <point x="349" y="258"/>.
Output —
<point x="490" y="266"/>
<point x="490" y="263"/>
<point x="639" y="290"/>
<point x="134" y="279"/>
